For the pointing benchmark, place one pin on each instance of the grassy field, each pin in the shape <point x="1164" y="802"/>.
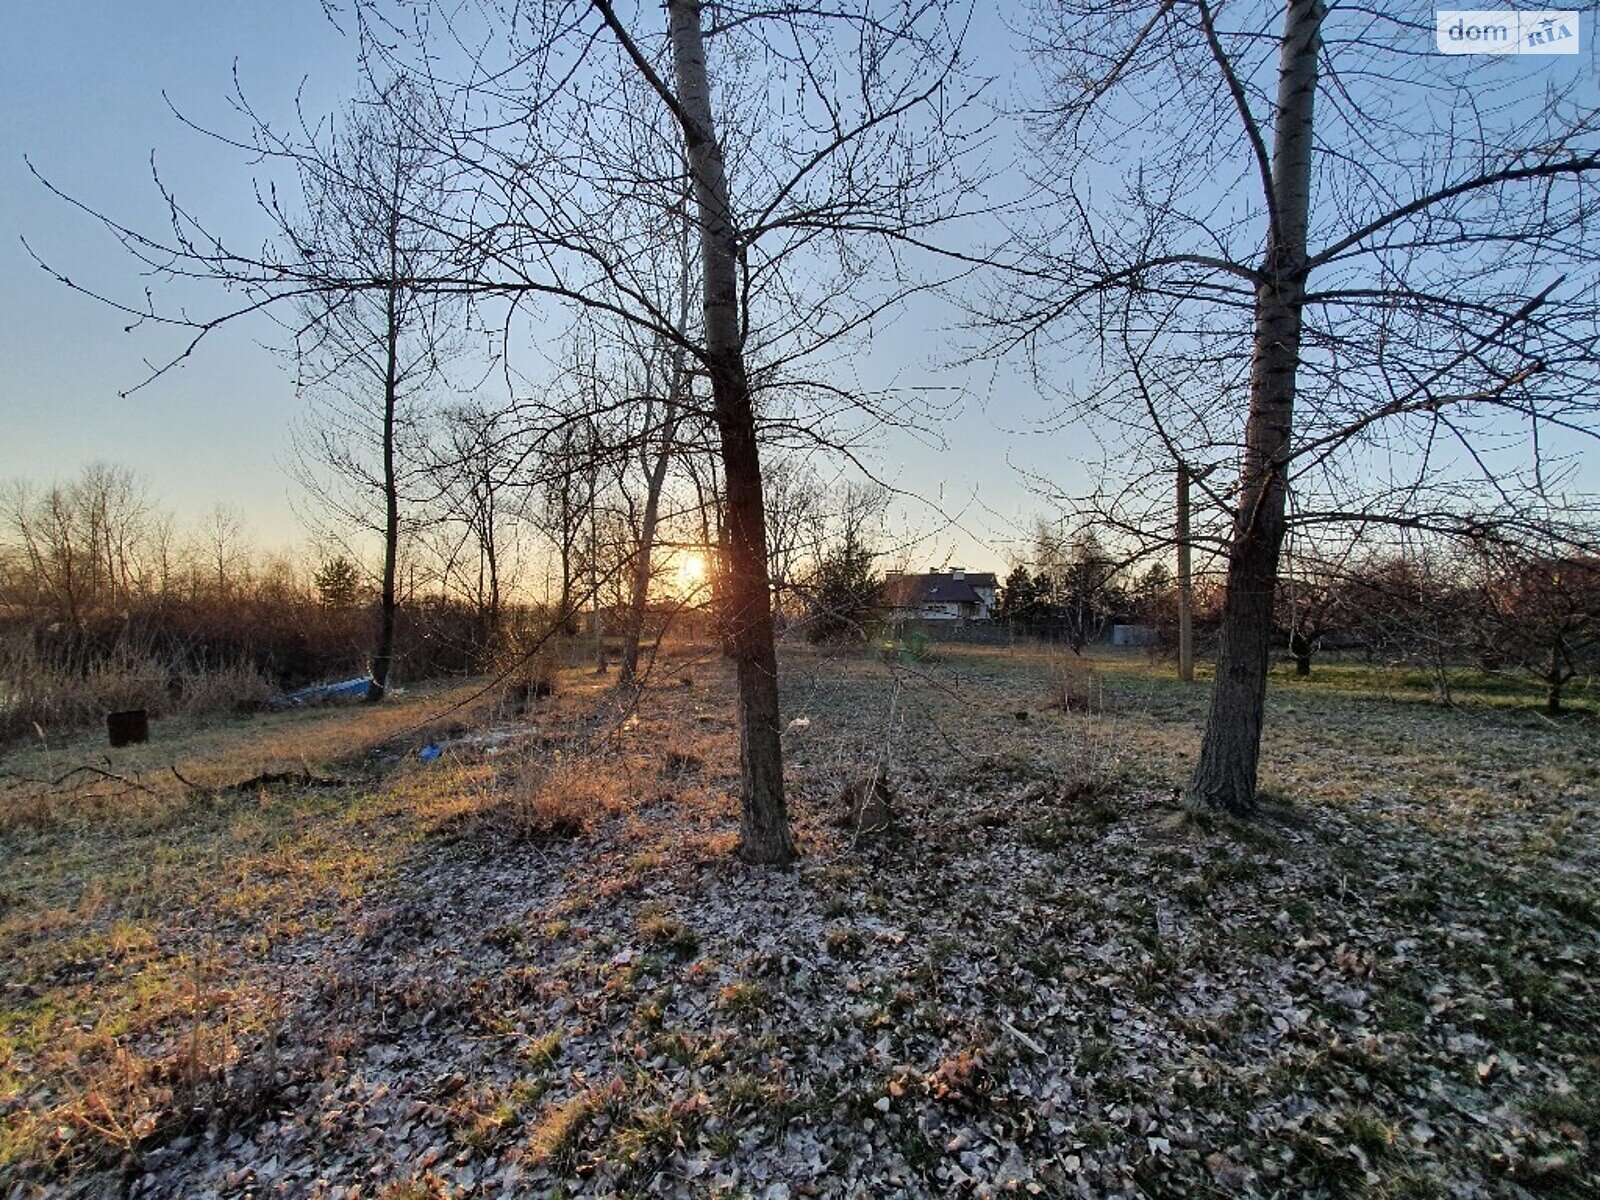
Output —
<point x="284" y="956"/>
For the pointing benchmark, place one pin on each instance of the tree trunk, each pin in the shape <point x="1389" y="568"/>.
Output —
<point x="594" y="588"/>
<point x="1553" y="682"/>
<point x="491" y="553"/>
<point x="764" y="835"/>
<point x="672" y="414"/>
<point x="1301" y="648"/>
<point x="383" y="651"/>
<point x="564" y="603"/>
<point x="1230" y="754"/>
<point x="638" y="600"/>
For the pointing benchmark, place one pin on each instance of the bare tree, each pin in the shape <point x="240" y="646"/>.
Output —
<point x="566" y="468"/>
<point x="1312" y="593"/>
<point x="661" y="418"/>
<point x="1332" y="261"/>
<point x="477" y="457"/>
<point x="796" y="528"/>
<point x="1542" y="612"/>
<point x="857" y="125"/>
<point x="222" y="549"/>
<point x="764" y="819"/>
<point x="374" y="190"/>
<point x="1411" y="601"/>
<point x="354" y="272"/>
<point x="1082" y="587"/>
<point x="847" y="170"/>
<point x="645" y="392"/>
<point x="80" y="547"/>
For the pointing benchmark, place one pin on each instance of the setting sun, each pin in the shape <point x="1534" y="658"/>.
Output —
<point x="692" y="571"/>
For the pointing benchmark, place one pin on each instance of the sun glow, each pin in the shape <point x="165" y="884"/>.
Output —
<point x="692" y="571"/>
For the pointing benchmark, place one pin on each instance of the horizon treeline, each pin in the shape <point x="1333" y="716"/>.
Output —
<point x="107" y="601"/>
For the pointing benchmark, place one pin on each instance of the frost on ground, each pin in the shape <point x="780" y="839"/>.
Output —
<point x="533" y="968"/>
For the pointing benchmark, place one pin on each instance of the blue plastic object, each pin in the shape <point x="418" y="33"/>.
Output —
<point x="429" y="752"/>
<point x="348" y="689"/>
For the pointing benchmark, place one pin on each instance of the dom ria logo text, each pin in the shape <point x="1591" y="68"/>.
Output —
<point x="1497" y="31"/>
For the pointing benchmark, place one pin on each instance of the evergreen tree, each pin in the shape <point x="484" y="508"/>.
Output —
<point x="844" y="593"/>
<point x="1019" y="595"/>
<point x="338" y="582"/>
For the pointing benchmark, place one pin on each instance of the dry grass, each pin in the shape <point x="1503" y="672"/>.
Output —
<point x="541" y="941"/>
<point x="549" y="800"/>
<point x="555" y="1135"/>
<point x="137" y="912"/>
<point x="43" y="695"/>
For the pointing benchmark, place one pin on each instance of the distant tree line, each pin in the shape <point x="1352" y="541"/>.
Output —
<point x="1436" y="604"/>
<point x="1071" y="590"/>
<point x="1442" y="606"/>
<point x="106" y="602"/>
<point x="505" y="540"/>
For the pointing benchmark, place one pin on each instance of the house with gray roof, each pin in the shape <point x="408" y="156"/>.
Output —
<point x="952" y="595"/>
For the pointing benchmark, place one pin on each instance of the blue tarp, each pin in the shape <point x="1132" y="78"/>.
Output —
<point x="349" y="689"/>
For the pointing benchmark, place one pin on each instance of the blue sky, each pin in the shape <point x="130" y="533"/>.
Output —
<point x="83" y="93"/>
<point x="86" y="89"/>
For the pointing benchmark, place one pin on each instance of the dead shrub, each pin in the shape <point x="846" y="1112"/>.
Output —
<point x="54" y="691"/>
<point x="209" y="654"/>
<point x="59" y="688"/>
<point x="529" y="682"/>
<point x="426" y="1186"/>
<point x="1082" y="790"/>
<point x="1078" y="808"/>
<point x="677" y="764"/>
<point x="553" y="802"/>
<point x="237" y="688"/>
<point x="529" y="656"/>
<point x="520" y="695"/>
<point x="1076" y="685"/>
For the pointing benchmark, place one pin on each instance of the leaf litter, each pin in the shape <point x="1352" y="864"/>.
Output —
<point x="1047" y="978"/>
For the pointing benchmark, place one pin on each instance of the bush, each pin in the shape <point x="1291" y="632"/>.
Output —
<point x="912" y="646"/>
<point x="53" y="690"/>
<point x="552" y="801"/>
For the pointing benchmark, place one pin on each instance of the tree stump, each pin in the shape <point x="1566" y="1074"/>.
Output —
<point x="868" y="804"/>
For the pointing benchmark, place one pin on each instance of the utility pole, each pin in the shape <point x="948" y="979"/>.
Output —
<point x="1186" y="475"/>
<point x="594" y="590"/>
<point x="1185" y="582"/>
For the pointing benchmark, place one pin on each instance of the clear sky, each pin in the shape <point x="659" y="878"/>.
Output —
<point x="86" y="92"/>
<point x="83" y="91"/>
